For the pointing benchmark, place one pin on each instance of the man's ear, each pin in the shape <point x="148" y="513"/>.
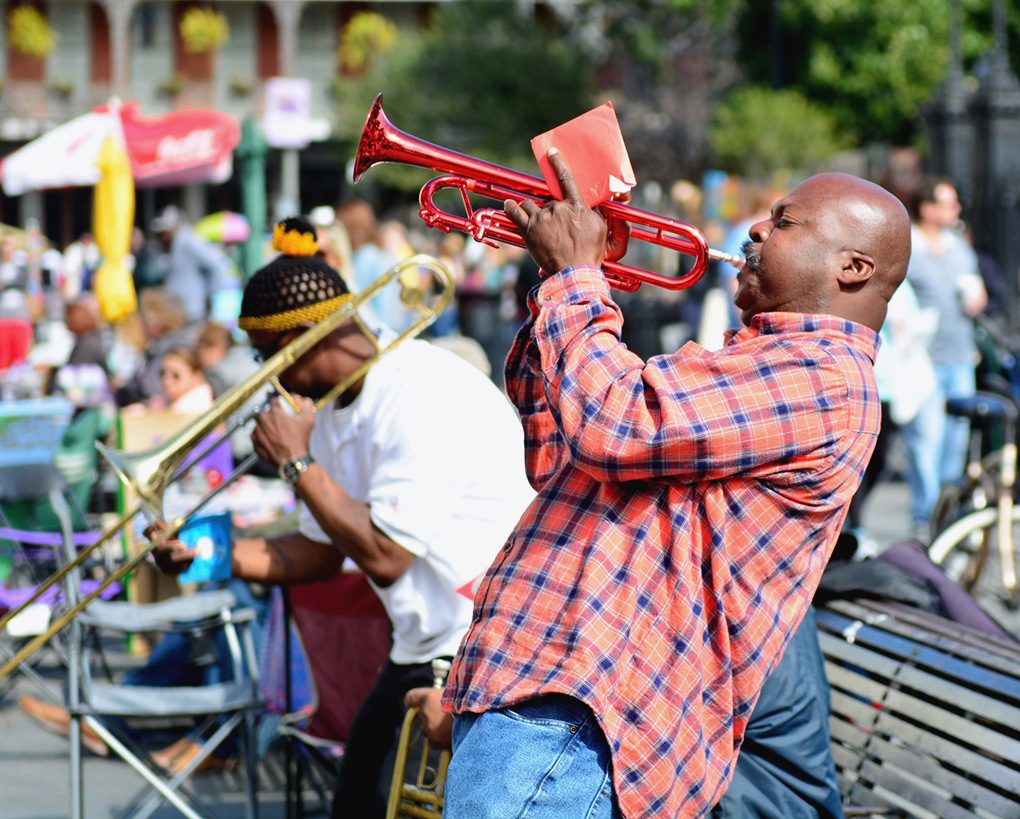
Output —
<point x="856" y="268"/>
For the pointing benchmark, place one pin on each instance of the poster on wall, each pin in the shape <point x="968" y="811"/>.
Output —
<point x="287" y="112"/>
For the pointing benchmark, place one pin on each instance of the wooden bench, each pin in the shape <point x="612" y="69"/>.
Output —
<point x="925" y="715"/>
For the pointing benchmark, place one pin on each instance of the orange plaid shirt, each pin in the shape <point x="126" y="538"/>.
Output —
<point x="686" y="508"/>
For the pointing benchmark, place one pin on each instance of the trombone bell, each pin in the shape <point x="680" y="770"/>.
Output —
<point x="143" y="473"/>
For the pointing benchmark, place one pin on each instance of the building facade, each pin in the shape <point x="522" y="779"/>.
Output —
<point x="134" y="50"/>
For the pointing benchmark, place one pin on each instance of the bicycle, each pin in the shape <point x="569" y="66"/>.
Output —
<point x="977" y="513"/>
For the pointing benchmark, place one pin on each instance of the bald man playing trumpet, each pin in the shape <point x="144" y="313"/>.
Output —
<point x="686" y="508"/>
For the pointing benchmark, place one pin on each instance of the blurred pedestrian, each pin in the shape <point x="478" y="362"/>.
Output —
<point x="198" y="268"/>
<point x="82" y="319"/>
<point x="334" y="243"/>
<point x="225" y="363"/>
<point x="906" y="382"/>
<point x="944" y="274"/>
<point x="81" y="260"/>
<point x="992" y="277"/>
<point x="185" y="389"/>
<point x="166" y="328"/>
<point x="370" y="260"/>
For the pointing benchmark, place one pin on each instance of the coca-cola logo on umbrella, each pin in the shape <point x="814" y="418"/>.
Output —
<point x="198" y="146"/>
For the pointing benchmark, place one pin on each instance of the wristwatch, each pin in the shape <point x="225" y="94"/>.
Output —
<point x="292" y="469"/>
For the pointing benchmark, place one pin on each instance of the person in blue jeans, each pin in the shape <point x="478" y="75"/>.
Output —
<point x="944" y="274"/>
<point x="785" y="769"/>
<point x="179" y="660"/>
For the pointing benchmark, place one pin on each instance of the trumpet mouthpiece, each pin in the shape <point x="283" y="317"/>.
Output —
<point x="734" y="259"/>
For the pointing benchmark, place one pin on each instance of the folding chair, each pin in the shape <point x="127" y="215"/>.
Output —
<point x="35" y="489"/>
<point x="345" y="634"/>
<point x="218" y="707"/>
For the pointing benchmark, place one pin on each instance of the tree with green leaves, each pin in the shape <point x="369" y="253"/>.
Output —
<point x="479" y="78"/>
<point x="759" y="132"/>
<point x="872" y="64"/>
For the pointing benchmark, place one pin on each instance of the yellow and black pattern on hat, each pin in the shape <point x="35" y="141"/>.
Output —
<point x="296" y="287"/>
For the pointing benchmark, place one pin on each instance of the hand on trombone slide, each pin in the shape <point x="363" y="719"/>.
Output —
<point x="279" y="435"/>
<point x="436" y="724"/>
<point x="172" y="557"/>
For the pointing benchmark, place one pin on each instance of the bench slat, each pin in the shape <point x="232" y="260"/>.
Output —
<point x="975" y="764"/>
<point x="926" y="684"/>
<point x="931" y="659"/>
<point x="881" y="724"/>
<point x="912" y="792"/>
<point x="971" y="734"/>
<point x="850" y="680"/>
<point x="959" y="638"/>
<point x="924" y="713"/>
<point x="924" y="767"/>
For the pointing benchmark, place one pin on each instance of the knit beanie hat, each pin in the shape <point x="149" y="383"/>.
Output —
<point x="296" y="287"/>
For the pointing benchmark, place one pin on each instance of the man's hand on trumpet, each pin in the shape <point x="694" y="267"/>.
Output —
<point x="562" y="233"/>
<point x="436" y="724"/>
<point x="279" y="435"/>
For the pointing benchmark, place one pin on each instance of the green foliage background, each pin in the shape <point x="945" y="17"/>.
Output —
<point x="479" y="79"/>
<point x="759" y="132"/>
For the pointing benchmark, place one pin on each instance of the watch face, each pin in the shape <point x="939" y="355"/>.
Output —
<point x="289" y="471"/>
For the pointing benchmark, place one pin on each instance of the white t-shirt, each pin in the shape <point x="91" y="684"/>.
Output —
<point x="437" y="452"/>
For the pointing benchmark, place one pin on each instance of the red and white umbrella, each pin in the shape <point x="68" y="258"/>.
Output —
<point x="180" y="148"/>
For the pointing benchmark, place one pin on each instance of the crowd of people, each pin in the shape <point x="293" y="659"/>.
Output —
<point x="642" y="538"/>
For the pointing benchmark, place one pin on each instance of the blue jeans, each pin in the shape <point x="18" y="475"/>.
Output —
<point x="545" y="758"/>
<point x="955" y="381"/>
<point x="936" y="444"/>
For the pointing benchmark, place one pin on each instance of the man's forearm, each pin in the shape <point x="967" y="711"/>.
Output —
<point x="287" y="559"/>
<point x="348" y="523"/>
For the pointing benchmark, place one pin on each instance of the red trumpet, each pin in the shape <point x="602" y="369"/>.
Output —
<point x="381" y="141"/>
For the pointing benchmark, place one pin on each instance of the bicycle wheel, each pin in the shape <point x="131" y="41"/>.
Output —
<point x="963" y="548"/>
<point x="959" y="499"/>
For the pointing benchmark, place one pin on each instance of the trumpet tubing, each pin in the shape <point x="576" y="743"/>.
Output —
<point x="423" y="798"/>
<point x="381" y="141"/>
<point x="149" y="473"/>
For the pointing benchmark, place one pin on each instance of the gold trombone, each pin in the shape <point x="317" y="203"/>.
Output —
<point x="424" y="798"/>
<point x="149" y="473"/>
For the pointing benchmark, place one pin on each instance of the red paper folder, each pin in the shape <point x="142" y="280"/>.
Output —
<point x="593" y="148"/>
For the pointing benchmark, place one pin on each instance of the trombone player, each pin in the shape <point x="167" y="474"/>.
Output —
<point x="415" y="475"/>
